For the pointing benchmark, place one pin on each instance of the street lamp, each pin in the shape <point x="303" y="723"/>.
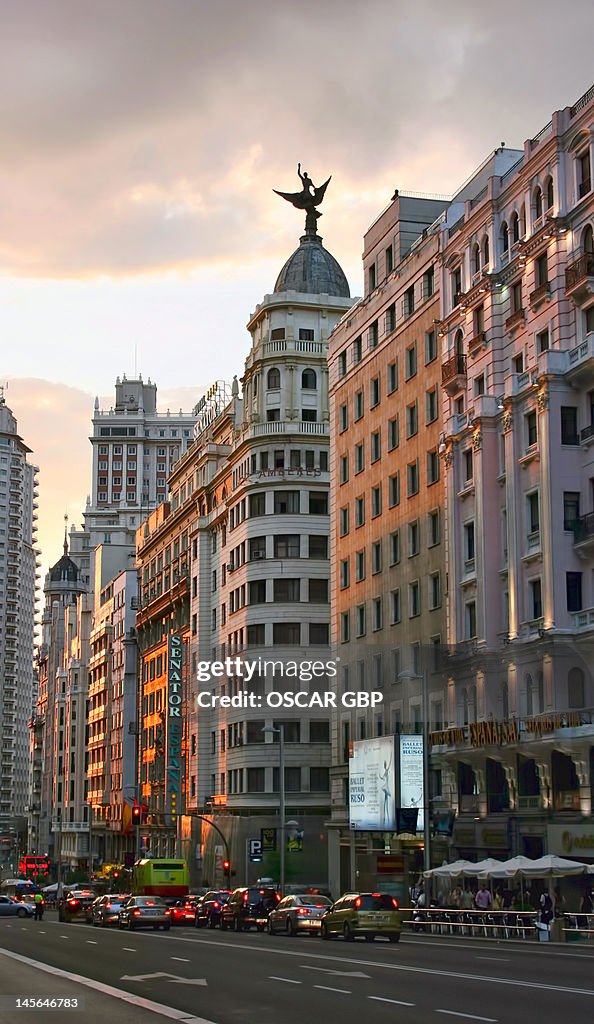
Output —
<point x="280" y="732"/>
<point x="408" y="675"/>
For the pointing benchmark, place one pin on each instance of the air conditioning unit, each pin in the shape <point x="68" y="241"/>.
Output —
<point x="230" y="567"/>
<point x="256" y="555"/>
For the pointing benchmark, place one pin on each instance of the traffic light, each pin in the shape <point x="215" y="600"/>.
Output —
<point x="226" y="866"/>
<point x="136" y="814"/>
<point x="116" y="874"/>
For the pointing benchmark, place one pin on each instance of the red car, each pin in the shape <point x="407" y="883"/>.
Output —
<point x="183" y="911"/>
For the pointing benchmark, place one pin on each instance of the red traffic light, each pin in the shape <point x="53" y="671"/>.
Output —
<point x="137" y="814"/>
<point x="226" y="865"/>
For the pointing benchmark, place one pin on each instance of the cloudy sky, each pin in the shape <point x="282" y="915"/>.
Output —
<point x="140" y="142"/>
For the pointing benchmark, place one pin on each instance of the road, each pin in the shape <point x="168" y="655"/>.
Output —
<point x="207" y="977"/>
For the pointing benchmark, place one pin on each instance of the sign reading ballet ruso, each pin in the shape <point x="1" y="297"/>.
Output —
<point x="412" y="790"/>
<point x="575" y="841"/>
<point x="173" y="766"/>
<point x="372" y="804"/>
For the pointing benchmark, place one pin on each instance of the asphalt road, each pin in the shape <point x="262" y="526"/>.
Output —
<point x="207" y="977"/>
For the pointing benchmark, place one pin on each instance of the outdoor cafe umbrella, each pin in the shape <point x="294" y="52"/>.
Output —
<point x="488" y="868"/>
<point x="449" y="870"/>
<point x="551" y="866"/>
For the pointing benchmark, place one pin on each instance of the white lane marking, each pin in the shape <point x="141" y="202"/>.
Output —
<point x="127" y="997"/>
<point x="382" y="999"/>
<point x="42" y="933"/>
<point x="500" y="959"/>
<point x="91" y="942"/>
<point x="468" y="1016"/>
<point x="327" y="970"/>
<point x="326" y="988"/>
<point x="289" y="981"/>
<point x="63" y="936"/>
<point x="182" y="959"/>
<point x="128" y="950"/>
<point x="519" y="983"/>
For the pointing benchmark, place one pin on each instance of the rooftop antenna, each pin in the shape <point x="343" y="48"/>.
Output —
<point x="135" y="360"/>
<point x="3" y="388"/>
<point x="65" y="533"/>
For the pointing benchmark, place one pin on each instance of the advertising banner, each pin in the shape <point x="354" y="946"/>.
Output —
<point x="411" y="775"/>
<point x="173" y="762"/>
<point x="372" y="804"/>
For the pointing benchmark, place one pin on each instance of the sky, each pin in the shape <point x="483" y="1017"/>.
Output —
<point x="140" y="143"/>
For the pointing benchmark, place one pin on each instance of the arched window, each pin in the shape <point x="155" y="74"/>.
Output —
<point x="529" y="694"/>
<point x="309" y="380"/>
<point x="523" y="220"/>
<point x="273" y="379"/>
<point x="515" y="227"/>
<point x="575" y="688"/>
<point x="550" y="193"/>
<point x="459" y="342"/>
<point x="486" y="253"/>
<point x="538" y="202"/>
<point x="504" y="700"/>
<point x="476" y="259"/>
<point x="588" y="240"/>
<point x="504" y="238"/>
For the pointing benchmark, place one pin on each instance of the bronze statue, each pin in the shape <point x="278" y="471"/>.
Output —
<point x="307" y="199"/>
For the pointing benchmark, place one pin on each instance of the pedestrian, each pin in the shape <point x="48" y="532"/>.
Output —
<point x="482" y="900"/>
<point x="546" y="908"/>
<point x="39" y="906"/>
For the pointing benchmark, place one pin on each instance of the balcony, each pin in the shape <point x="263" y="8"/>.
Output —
<point x="579" y="278"/>
<point x="538" y="296"/>
<point x="583" y="619"/>
<point x="587" y="435"/>
<point x="580" y="362"/>
<point x="453" y="374"/>
<point x="583" y="535"/>
<point x="516" y="318"/>
<point x="477" y="343"/>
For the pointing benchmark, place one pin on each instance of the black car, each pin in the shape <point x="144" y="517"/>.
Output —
<point x="208" y="911"/>
<point x="75" y="905"/>
<point x="247" y="907"/>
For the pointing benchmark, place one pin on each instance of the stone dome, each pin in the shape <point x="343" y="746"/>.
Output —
<point x="313" y="270"/>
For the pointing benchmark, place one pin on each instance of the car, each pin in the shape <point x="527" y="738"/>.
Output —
<point x="208" y="911"/>
<point x="182" y="911"/>
<point x="106" y="909"/>
<point x="144" y="912"/>
<point x="75" y="905"/>
<point x="298" y="914"/>
<point x="10" y="907"/>
<point x="191" y="904"/>
<point x="248" y="906"/>
<point x="90" y="909"/>
<point x="364" y="913"/>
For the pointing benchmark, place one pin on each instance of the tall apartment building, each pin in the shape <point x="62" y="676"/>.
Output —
<point x="18" y="536"/>
<point x="387" y="550"/>
<point x="517" y="338"/>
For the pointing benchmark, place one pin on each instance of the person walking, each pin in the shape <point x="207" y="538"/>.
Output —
<point x="39" y="906"/>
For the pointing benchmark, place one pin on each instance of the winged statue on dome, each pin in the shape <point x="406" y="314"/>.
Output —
<point x="307" y="199"/>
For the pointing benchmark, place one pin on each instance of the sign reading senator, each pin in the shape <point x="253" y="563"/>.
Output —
<point x="372" y="806"/>
<point x="411" y="775"/>
<point x="173" y="762"/>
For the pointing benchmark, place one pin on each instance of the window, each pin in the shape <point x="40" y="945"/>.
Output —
<point x="343" y="418"/>
<point x="531" y="428"/>
<point x="345" y="574"/>
<point x="360" y="620"/>
<point x="376" y="446"/>
<point x="393" y="434"/>
<point x="318" y="591"/>
<point x="345" y="627"/>
<point x="479" y="385"/>
<point x="412" y="478"/>
<point x="376" y="501"/>
<point x="255" y="780"/>
<point x="589" y="320"/>
<point x="277" y="333"/>
<point x="408" y="302"/>
<point x="319" y="779"/>
<point x="535" y="598"/>
<point x="286" y="590"/>
<point x="359" y="405"/>
<point x="428" y="283"/>
<point x="414" y="538"/>
<point x="584" y="175"/>
<point x="571" y="509"/>
<point x="257" y="592"/>
<point x="377" y="614"/>
<point x="542" y="270"/>
<point x="550" y="193"/>
<point x="318" y="546"/>
<point x="309" y="380"/>
<point x="392" y="377"/>
<point x="433" y="529"/>
<point x="516" y="297"/>
<point x="430" y="347"/>
<point x="279" y="459"/>
<point x="371" y="277"/>
<point x="470" y="620"/>
<point x="518" y="363"/>
<point x="376" y="557"/>
<point x="410" y="357"/>
<point x="286" y="502"/>
<point x="359" y="457"/>
<point x="456" y="283"/>
<point x="538" y="203"/>
<point x="504" y="239"/>
<point x="573" y="586"/>
<point x="286" y="633"/>
<point x="374" y="392"/>
<point x="357" y="349"/>
<point x="389" y="257"/>
<point x="256" y="635"/>
<point x="394" y="490"/>
<point x="515" y="227"/>
<point x="273" y="380"/>
<point x="533" y="512"/>
<point x="432" y="467"/>
<point x="542" y="341"/>
<point x="469" y="541"/>
<point x="308" y="415"/>
<point x="394" y="607"/>
<point x="390" y="321"/>
<point x="360" y="511"/>
<point x="342" y="364"/>
<point x="435" y="590"/>
<point x="360" y="561"/>
<point x="319" y="633"/>
<point x="318" y="503"/>
<point x="486" y="253"/>
<point x="343" y="464"/>
<point x="272" y="415"/>
<point x="412" y="424"/>
<point x="414" y="599"/>
<point x="373" y="334"/>
<point x="431" y="405"/>
<point x="395" y="547"/>
<point x="344" y="521"/>
<point x="256" y="505"/>
<point x="569" y="431"/>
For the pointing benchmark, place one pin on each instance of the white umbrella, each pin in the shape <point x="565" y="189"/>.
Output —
<point x="551" y="866"/>
<point x="516" y="865"/>
<point x="488" y="868"/>
<point x="454" y="870"/>
<point x="51" y="888"/>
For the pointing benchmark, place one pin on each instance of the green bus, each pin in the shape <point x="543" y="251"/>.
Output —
<point x="155" y="877"/>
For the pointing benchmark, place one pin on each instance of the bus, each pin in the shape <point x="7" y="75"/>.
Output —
<point x="155" y="877"/>
<point x="36" y="867"/>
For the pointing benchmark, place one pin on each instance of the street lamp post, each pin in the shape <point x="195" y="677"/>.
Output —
<point x="280" y="731"/>
<point x="408" y="675"/>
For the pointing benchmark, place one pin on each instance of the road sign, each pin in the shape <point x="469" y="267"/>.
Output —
<point x="268" y="839"/>
<point x="255" y="851"/>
